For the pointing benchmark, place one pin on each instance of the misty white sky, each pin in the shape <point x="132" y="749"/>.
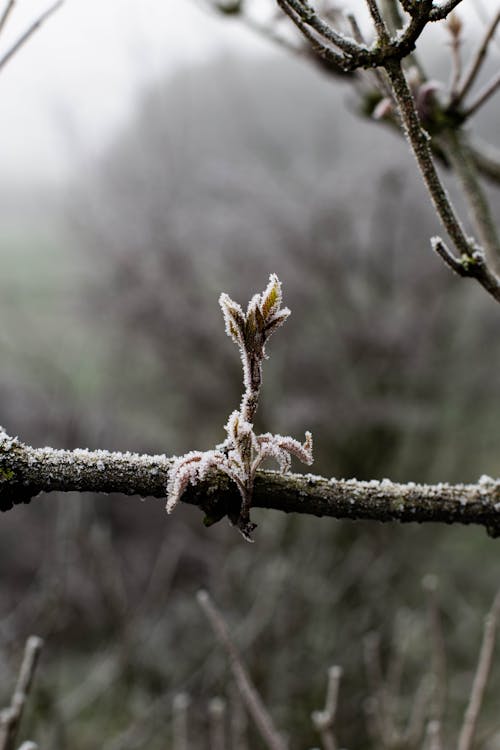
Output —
<point x="69" y="90"/>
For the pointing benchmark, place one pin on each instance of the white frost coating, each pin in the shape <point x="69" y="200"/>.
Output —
<point x="242" y="452"/>
<point x="484" y="479"/>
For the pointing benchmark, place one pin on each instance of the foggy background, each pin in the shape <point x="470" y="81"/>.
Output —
<point x="152" y="158"/>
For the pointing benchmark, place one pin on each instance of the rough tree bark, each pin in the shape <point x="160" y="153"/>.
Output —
<point x="25" y="472"/>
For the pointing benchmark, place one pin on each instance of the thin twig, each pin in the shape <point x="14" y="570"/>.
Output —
<point x="249" y="694"/>
<point x="415" y="727"/>
<point x="434" y="735"/>
<point x="324" y="721"/>
<point x="477" y="61"/>
<point x="483" y="96"/>
<point x="267" y="32"/>
<point x="10" y="717"/>
<point x="309" y="16"/>
<point x="180" y="721"/>
<point x="486" y="159"/>
<point x="456" y="148"/>
<point x="469" y="725"/>
<point x="439" y="670"/>
<point x="471" y="266"/>
<point x="356" y="31"/>
<point x="439" y="12"/>
<point x="358" y="36"/>
<point x="379" y="699"/>
<point x="5" y="15"/>
<point x="378" y="21"/>
<point x="29" y="33"/>
<point x="238" y="721"/>
<point x="454" y="27"/>
<point x="217" y="722"/>
<point x="392" y="11"/>
<point x="320" y="49"/>
<point x="420" y="144"/>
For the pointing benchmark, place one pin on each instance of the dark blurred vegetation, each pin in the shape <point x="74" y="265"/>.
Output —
<point x="112" y="337"/>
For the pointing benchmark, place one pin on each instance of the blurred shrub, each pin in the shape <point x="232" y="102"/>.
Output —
<point x="228" y="172"/>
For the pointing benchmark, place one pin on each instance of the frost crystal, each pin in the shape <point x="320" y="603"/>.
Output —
<point x="242" y="452"/>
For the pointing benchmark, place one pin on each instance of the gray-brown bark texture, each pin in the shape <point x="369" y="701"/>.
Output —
<point x="25" y="472"/>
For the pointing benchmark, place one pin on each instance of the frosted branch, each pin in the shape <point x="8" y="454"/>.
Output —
<point x="25" y="472"/>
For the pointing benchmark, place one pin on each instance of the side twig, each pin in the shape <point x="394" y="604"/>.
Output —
<point x="483" y="96"/>
<point x="472" y="266"/>
<point x="477" y="61"/>
<point x="249" y="694"/>
<point x="324" y="721"/>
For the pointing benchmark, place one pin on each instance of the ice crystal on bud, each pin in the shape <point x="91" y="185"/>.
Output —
<point x="242" y="452"/>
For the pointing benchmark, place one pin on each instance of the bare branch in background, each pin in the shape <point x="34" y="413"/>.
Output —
<point x="10" y="717"/>
<point x="180" y="721"/>
<point x="238" y="720"/>
<point x="434" y="736"/>
<point x="456" y="148"/>
<point x="392" y="45"/>
<point x="378" y="21"/>
<point x="217" y="723"/>
<point x="5" y="15"/>
<point x="454" y="28"/>
<point x="466" y="738"/>
<point x="476" y="62"/>
<point x="253" y="702"/>
<point x="381" y="715"/>
<point x="483" y="96"/>
<point x="25" y="36"/>
<point x="324" y="721"/>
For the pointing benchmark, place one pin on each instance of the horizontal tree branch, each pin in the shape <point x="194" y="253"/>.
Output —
<point x="25" y="472"/>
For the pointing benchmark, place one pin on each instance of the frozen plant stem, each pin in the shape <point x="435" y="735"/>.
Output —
<point x="242" y="452"/>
